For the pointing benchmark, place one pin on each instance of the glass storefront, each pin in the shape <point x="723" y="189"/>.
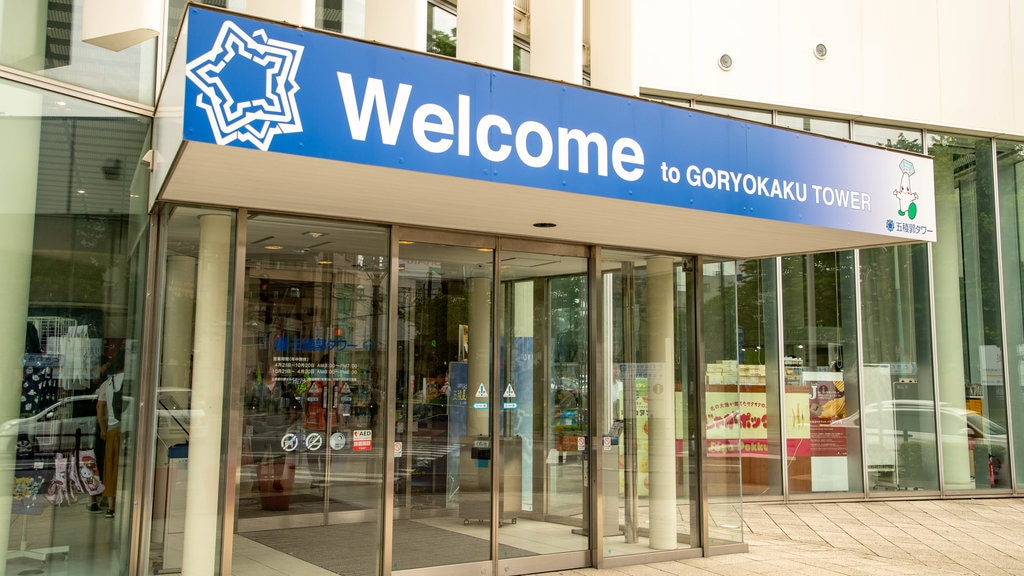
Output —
<point x="45" y="38"/>
<point x="972" y="393"/>
<point x="819" y="342"/>
<point x="190" y="404"/>
<point x="649" y="415"/>
<point x="313" y="388"/>
<point x="74" y="262"/>
<point x="489" y="425"/>
<point x="1010" y="174"/>
<point x="758" y="376"/>
<point x="732" y="418"/>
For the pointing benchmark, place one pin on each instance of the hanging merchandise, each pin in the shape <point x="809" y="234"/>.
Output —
<point x="89" y="473"/>
<point x="78" y="358"/>
<point x="58" y="493"/>
<point x="27" y="486"/>
<point x="38" y="385"/>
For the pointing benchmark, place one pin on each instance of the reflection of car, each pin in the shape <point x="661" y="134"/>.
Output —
<point x="913" y="419"/>
<point x="902" y="433"/>
<point x="56" y="428"/>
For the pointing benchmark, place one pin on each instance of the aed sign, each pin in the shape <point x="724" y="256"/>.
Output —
<point x="362" y="440"/>
<point x="270" y="87"/>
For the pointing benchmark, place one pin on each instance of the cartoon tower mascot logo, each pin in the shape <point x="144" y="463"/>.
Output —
<point x="903" y="194"/>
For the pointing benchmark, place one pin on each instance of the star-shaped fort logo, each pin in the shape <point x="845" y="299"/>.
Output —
<point x="261" y="71"/>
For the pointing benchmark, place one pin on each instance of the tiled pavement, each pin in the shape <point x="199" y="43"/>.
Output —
<point x="926" y="537"/>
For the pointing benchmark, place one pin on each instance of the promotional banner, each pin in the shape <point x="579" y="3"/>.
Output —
<point x="736" y="418"/>
<point x="269" y="87"/>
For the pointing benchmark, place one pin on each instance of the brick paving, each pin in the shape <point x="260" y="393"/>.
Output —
<point x="926" y="537"/>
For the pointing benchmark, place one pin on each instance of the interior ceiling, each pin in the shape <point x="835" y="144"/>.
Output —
<point x="267" y="181"/>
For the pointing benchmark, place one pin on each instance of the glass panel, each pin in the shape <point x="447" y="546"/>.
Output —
<point x="74" y="267"/>
<point x="899" y="387"/>
<point x="520" y="59"/>
<point x="1010" y="158"/>
<point x="897" y="138"/>
<point x="824" y="126"/>
<point x="175" y="15"/>
<point x="312" y="438"/>
<point x="723" y="474"/>
<point x="45" y="37"/>
<point x="899" y="409"/>
<point x="545" y="394"/>
<point x="758" y="377"/>
<point x="763" y="116"/>
<point x="442" y="409"/>
<point x="440" y="31"/>
<point x="820" y="347"/>
<point x="193" y="382"/>
<point x="967" y="315"/>
<point x="648" y="420"/>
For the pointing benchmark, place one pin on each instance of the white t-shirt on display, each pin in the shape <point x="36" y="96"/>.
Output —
<point x="106" y="394"/>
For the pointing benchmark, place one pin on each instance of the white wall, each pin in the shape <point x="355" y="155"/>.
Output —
<point x="938" y="63"/>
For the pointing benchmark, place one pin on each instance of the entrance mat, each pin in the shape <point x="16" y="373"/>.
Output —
<point x="352" y="549"/>
<point x="302" y="503"/>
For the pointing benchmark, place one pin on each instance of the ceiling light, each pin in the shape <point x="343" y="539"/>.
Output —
<point x="326" y="262"/>
<point x="314" y="234"/>
<point x="485" y="249"/>
<point x="405" y="242"/>
<point x="273" y="247"/>
<point x="80" y="191"/>
<point x="544" y="225"/>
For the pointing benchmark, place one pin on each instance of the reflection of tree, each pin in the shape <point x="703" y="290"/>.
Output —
<point x="441" y="42"/>
<point x="960" y="157"/>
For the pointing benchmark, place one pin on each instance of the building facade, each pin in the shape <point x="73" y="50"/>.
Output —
<point x="503" y="287"/>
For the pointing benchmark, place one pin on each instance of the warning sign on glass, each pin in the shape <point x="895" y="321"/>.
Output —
<point x="362" y="439"/>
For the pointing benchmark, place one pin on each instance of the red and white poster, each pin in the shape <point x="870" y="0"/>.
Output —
<point x="362" y="440"/>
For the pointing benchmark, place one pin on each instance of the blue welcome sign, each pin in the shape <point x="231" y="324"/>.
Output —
<point x="269" y="87"/>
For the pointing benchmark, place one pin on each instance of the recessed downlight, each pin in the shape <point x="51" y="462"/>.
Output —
<point x="273" y="247"/>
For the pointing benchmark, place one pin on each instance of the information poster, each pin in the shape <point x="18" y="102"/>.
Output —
<point x="826" y="404"/>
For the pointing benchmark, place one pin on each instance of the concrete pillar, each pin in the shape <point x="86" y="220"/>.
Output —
<point x="209" y="374"/>
<point x="484" y="33"/>
<point x="180" y="301"/>
<point x="401" y="23"/>
<point x="612" y="41"/>
<point x="19" y="164"/>
<point x="477" y="421"/>
<point x="948" y="327"/>
<point x="661" y="403"/>
<point x="556" y="40"/>
<point x="524" y="327"/>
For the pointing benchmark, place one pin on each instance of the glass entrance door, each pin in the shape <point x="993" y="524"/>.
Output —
<point x="490" y="474"/>
<point x="312" y="441"/>
<point x="443" y="448"/>
<point x="544" y="409"/>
